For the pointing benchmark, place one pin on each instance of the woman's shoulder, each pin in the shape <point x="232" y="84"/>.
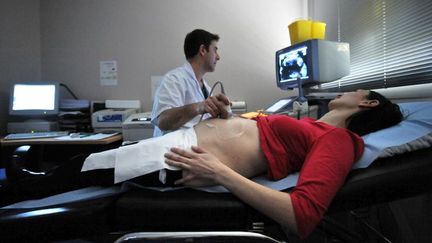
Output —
<point x="344" y="137"/>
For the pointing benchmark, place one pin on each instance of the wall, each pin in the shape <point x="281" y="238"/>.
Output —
<point x="20" y="58"/>
<point x="328" y="12"/>
<point x="145" y="37"/>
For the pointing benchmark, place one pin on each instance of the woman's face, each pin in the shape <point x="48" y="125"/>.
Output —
<point x="349" y="99"/>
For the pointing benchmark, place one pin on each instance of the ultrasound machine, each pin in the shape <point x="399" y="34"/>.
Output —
<point x="305" y="65"/>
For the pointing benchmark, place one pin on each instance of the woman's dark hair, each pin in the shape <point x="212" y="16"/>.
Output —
<point x="386" y="114"/>
<point x="195" y="39"/>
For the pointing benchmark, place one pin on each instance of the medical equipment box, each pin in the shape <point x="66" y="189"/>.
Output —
<point x="110" y="119"/>
<point x="137" y="127"/>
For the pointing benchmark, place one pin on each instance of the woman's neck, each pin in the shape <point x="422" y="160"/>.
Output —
<point x="338" y="117"/>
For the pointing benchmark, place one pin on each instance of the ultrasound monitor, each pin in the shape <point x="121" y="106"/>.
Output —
<point x="292" y="64"/>
<point x="311" y="62"/>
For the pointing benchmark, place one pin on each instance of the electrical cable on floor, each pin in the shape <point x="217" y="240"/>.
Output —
<point x="356" y="216"/>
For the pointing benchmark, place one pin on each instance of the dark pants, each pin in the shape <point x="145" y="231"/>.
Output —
<point x="68" y="177"/>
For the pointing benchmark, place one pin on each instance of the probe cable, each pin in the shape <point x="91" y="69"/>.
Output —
<point x="211" y="92"/>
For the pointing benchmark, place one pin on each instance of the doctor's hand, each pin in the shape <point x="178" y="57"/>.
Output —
<point x="199" y="167"/>
<point x="215" y="105"/>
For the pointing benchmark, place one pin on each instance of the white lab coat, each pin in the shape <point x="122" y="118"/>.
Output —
<point x="177" y="88"/>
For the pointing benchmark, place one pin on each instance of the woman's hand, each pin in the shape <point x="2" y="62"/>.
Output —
<point x="201" y="166"/>
<point x="197" y="164"/>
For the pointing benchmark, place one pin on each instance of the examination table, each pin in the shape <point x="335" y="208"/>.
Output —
<point x="146" y="210"/>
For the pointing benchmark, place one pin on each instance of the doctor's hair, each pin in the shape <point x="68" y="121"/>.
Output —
<point x="384" y="115"/>
<point x="195" y="39"/>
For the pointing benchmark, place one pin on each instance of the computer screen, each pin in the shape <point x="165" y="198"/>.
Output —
<point x="34" y="99"/>
<point x="312" y="62"/>
<point x="279" y="105"/>
<point x="292" y="64"/>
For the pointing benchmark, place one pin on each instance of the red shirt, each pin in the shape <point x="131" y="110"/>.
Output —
<point x="323" y="155"/>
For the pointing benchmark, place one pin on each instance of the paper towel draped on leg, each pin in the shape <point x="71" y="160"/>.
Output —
<point x="142" y="158"/>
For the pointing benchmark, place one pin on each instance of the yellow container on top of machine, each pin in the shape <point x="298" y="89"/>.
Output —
<point x="302" y="30"/>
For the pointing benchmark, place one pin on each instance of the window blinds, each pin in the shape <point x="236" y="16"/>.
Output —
<point x="390" y="43"/>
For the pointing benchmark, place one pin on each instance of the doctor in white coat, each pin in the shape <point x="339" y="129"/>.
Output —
<point x="183" y="95"/>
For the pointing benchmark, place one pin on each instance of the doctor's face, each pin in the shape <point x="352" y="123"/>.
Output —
<point x="211" y="57"/>
<point x="349" y="99"/>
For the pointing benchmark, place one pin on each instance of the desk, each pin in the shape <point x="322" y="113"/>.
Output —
<point x="48" y="141"/>
<point x="51" y="151"/>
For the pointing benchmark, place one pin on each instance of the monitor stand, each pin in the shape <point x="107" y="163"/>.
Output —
<point x="300" y="104"/>
<point x="32" y="126"/>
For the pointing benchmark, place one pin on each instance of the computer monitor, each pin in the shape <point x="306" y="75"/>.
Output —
<point x="33" y="107"/>
<point x="313" y="62"/>
<point x="34" y="100"/>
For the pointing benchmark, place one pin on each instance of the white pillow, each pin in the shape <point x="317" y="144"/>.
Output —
<point x="420" y="143"/>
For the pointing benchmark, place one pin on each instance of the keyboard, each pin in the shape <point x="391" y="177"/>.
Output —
<point x="31" y="135"/>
